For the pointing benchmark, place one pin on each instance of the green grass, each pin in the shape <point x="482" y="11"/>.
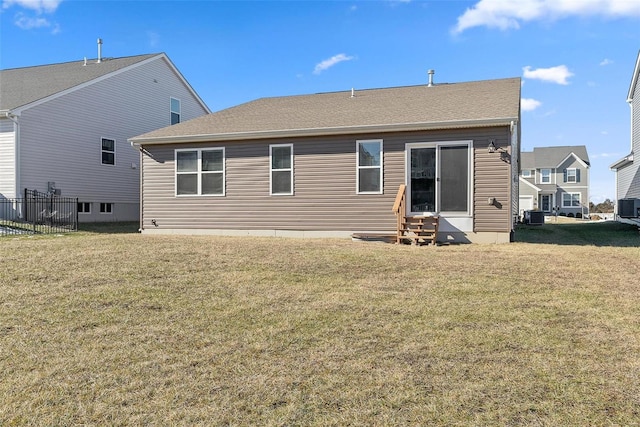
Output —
<point x="129" y="329"/>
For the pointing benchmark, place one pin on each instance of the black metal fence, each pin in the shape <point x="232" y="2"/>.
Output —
<point x="38" y="213"/>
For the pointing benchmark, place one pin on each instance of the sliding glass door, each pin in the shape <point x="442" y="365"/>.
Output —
<point x="438" y="178"/>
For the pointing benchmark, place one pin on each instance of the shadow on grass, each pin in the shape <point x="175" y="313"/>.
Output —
<point x="109" y="227"/>
<point x="606" y="233"/>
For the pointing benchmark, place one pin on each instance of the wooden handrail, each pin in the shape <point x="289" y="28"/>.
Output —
<point x="399" y="199"/>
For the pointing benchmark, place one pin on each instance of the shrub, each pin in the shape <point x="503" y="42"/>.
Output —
<point x="570" y="215"/>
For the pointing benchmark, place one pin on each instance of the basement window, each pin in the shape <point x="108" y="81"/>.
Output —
<point x="106" y="208"/>
<point x="84" y="207"/>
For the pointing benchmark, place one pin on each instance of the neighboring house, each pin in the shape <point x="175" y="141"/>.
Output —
<point x="64" y="128"/>
<point x="331" y="164"/>
<point x="555" y="180"/>
<point x="627" y="169"/>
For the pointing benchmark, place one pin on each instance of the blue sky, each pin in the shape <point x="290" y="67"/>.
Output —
<point x="576" y="57"/>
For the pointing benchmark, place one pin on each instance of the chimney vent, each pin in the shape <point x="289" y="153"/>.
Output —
<point x="99" y="51"/>
<point x="431" y="73"/>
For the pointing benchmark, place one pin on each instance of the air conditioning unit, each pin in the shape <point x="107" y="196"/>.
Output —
<point x="534" y="217"/>
<point x="629" y="208"/>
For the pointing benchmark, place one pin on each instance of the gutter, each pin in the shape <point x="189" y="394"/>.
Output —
<point x="622" y="162"/>
<point x="341" y="130"/>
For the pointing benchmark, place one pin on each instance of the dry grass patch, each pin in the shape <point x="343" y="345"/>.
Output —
<point x="128" y="329"/>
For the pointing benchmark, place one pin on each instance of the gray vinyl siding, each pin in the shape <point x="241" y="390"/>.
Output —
<point x="60" y="140"/>
<point x="629" y="176"/>
<point x="324" y="197"/>
<point x="7" y="159"/>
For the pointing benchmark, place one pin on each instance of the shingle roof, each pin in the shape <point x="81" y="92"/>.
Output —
<point x="446" y="105"/>
<point x="22" y="86"/>
<point x="550" y="157"/>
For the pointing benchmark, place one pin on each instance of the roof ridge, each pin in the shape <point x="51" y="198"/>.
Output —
<point x="110" y="58"/>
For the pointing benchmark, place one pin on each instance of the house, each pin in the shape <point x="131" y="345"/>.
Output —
<point x="555" y="180"/>
<point x="64" y="128"/>
<point x="627" y="169"/>
<point x="331" y="164"/>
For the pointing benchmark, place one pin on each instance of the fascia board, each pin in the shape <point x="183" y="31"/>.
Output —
<point x="20" y="109"/>
<point x="343" y="130"/>
<point x="185" y="82"/>
<point x="634" y="79"/>
<point x="575" y="157"/>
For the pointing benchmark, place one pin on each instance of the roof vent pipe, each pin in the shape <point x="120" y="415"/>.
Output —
<point x="99" y="51"/>
<point x="431" y="73"/>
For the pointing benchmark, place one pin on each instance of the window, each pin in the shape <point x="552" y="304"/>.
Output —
<point x="570" y="200"/>
<point x="108" y="151"/>
<point x="281" y="173"/>
<point x="200" y="172"/>
<point x="175" y="111"/>
<point x="106" y="208"/>
<point x="571" y="175"/>
<point x="545" y="176"/>
<point x="369" y="166"/>
<point x="84" y="207"/>
<point x="526" y="173"/>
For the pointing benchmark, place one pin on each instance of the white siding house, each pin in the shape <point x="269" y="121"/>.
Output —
<point x="627" y="169"/>
<point x="65" y="127"/>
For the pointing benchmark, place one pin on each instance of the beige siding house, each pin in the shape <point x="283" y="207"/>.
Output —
<point x="64" y="128"/>
<point x="331" y="164"/>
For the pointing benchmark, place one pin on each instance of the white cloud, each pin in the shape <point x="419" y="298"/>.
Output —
<point x="28" y="23"/>
<point x="39" y="6"/>
<point x="558" y="74"/>
<point x="328" y="63"/>
<point x="529" y="104"/>
<point x="606" y="62"/>
<point x="507" y="14"/>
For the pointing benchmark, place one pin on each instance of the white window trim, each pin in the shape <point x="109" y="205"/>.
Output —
<point x="358" y="167"/>
<point x="179" y="113"/>
<point x="571" y="199"/>
<point x="199" y="172"/>
<point x="542" y="176"/>
<point x="85" y="203"/>
<point x="575" y="176"/>
<point x="528" y="173"/>
<point x="470" y="172"/>
<point x="110" y="210"/>
<point x="271" y="147"/>
<point x="106" y="151"/>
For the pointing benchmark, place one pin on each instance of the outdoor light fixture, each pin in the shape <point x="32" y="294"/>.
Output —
<point x="492" y="146"/>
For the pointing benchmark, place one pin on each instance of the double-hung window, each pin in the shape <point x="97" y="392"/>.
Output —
<point x="369" y="166"/>
<point x="108" y="151"/>
<point x="200" y="172"/>
<point x="570" y="200"/>
<point x="526" y="173"/>
<point x="175" y="111"/>
<point x="545" y="176"/>
<point x="571" y="175"/>
<point x="281" y="171"/>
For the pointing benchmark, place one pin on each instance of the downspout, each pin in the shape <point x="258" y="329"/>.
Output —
<point x="16" y="147"/>
<point x="140" y="219"/>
